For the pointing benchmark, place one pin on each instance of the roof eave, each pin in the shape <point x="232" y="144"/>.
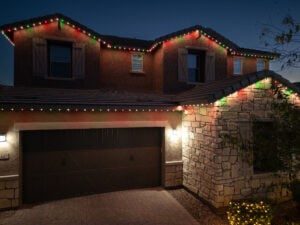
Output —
<point x="231" y="47"/>
<point x="236" y="86"/>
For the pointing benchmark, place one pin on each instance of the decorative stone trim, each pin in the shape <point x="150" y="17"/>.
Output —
<point x="169" y="163"/>
<point x="173" y="173"/>
<point x="9" y="191"/>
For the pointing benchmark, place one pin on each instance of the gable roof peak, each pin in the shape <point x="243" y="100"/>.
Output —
<point x="216" y="90"/>
<point x="122" y="43"/>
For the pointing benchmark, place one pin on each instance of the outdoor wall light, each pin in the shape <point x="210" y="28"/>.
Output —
<point x="2" y="138"/>
<point x="174" y="135"/>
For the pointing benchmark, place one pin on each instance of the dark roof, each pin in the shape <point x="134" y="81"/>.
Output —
<point x="221" y="38"/>
<point x="130" y="43"/>
<point x="23" y="96"/>
<point x="297" y="84"/>
<point x="213" y="91"/>
<point x="253" y="51"/>
<point x="27" y="97"/>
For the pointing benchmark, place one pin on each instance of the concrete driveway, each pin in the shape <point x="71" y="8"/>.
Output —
<point x="134" y="207"/>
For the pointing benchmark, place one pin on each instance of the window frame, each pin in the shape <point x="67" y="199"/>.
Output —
<point x="199" y="53"/>
<point x="241" y="59"/>
<point x="142" y="71"/>
<point x="255" y="171"/>
<point x="59" y="43"/>
<point x="264" y="64"/>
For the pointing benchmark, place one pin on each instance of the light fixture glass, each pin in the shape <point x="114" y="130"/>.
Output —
<point x="2" y="138"/>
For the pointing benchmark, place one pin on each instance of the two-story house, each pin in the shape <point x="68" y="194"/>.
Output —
<point x="92" y="113"/>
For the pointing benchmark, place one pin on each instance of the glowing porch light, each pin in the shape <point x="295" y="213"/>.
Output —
<point x="2" y="137"/>
<point x="174" y="135"/>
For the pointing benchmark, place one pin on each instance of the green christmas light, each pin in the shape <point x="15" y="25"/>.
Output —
<point x="259" y="85"/>
<point x="288" y="92"/>
<point x="222" y="101"/>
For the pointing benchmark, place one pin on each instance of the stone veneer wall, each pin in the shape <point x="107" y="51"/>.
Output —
<point x="174" y="174"/>
<point x="9" y="192"/>
<point x="219" y="174"/>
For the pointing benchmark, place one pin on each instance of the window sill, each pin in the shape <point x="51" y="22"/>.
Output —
<point x="195" y="83"/>
<point x="137" y="72"/>
<point x="60" y="78"/>
<point x="269" y="174"/>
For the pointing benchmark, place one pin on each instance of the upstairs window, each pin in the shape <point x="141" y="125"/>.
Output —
<point x="237" y="66"/>
<point x="60" y="59"/>
<point x="137" y="63"/>
<point x="260" y="64"/>
<point x="196" y="66"/>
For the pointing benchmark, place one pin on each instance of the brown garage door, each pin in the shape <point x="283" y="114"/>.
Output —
<point x="64" y="163"/>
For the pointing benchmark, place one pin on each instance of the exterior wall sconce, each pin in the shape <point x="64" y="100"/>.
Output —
<point x="2" y="137"/>
<point x="174" y="135"/>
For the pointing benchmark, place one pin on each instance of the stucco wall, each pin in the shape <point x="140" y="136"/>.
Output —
<point x="249" y="65"/>
<point x="23" y="56"/>
<point x="12" y="123"/>
<point x="112" y="68"/>
<point x="217" y="173"/>
<point x="115" y="71"/>
<point x="193" y="40"/>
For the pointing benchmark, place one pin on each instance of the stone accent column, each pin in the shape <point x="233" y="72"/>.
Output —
<point x="9" y="192"/>
<point x="201" y="160"/>
<point x="173" y="174"/>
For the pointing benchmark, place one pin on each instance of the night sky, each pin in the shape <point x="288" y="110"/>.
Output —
<point x="240" y="21"/>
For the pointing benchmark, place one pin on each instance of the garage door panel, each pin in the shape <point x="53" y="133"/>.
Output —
<point x="34" y="192"/>
<point x="33" y="168"/>
<point x="66" y="163"/>
<point x="149" y="155"/>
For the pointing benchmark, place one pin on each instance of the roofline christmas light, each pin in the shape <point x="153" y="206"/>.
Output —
<point x="98" y="38"/>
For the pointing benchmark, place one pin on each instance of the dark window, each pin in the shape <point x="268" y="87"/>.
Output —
<point x="237" y="66"/>
<point x="196" y="65"/>
<point x="60" y="59"/>
<point x="265" y="157"/>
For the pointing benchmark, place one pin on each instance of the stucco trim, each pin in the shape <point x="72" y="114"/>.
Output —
<point x="87" y="125"/>
<point x="9" y="177"/>
<point x="190" y="47"/>
<point x="169" y="163"/>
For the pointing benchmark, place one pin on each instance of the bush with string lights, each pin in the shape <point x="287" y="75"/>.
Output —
<point x="249" y="213"/>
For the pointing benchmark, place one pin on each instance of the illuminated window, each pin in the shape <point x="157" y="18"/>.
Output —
<point x="137" y="61"/>
<point x="260" y="64"/>
<point x="237" y="66"/>
<point x="60" y="59"/>
<point x="196" y="66"/>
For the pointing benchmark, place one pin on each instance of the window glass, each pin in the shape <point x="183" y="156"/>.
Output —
<point x="137" y="61"/>
<point x="196" y="65"/>
<point x="193" y="69"/>
<point x="260" y="65"/>
<point x="237" y="66"/>
<point x="60" y="57"/>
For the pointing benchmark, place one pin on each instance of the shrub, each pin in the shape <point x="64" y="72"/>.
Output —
<point x="249" y="213"/>
<point x="295" y="188"/>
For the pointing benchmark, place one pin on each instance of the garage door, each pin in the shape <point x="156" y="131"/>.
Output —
<point x="65" y="163"/>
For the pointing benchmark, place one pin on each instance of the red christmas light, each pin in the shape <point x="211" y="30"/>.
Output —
<point x="193" y="34"/>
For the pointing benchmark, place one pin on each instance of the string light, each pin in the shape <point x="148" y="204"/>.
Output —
<point x="173" y="109"/>
<point x="97" y="37"/>
<point x="247" y="213"/>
